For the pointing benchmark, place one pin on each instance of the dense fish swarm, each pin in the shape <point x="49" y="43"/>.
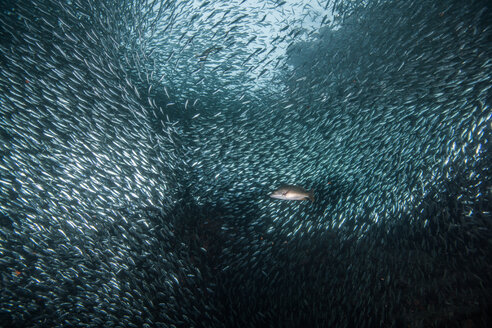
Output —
<point x="140" y="141"/>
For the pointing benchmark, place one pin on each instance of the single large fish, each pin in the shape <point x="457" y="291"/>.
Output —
<point x="290" y="192"/>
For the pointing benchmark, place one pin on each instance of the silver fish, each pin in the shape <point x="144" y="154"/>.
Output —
<point x="291" y="192"/>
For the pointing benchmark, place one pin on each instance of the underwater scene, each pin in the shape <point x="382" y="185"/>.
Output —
<point x="245" y="163"/>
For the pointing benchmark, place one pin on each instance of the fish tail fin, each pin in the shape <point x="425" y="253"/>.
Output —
<point x="311" y="195"/>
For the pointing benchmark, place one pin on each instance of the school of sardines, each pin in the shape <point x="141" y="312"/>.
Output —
<point x="245" y="163"/>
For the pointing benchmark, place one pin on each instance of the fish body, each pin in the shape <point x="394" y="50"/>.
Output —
<point x="291" y="192"/>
